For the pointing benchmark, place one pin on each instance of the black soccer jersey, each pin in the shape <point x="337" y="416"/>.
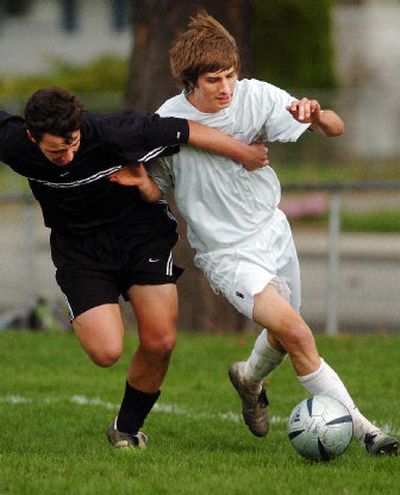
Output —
<point x="78" y="197"/>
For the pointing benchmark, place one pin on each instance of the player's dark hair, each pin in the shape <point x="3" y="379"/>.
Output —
<point x="53" y="111"/>
<point x="206" y="46"/>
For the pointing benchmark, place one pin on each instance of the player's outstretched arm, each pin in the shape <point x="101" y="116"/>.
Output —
<point x="252" y="156"/>
<point x="325" y="122"/>
<point x="136" y="175"/>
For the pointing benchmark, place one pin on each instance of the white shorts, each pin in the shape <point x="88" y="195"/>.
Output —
<point x="243" y="270"/>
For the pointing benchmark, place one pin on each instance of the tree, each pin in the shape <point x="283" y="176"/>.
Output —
<point x="155" y="23"/>
<point x="301" y="52"/>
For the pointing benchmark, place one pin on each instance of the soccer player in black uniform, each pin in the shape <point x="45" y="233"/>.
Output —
<point x="105" y="240"/>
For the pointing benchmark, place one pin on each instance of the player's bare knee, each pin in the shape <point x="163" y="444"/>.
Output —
<point x="297" y="336"/>
<point x="160" y="346"/>
<point x="106" y="358"/>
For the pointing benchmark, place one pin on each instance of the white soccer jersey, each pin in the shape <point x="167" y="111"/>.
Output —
<point x="223" y="203"/>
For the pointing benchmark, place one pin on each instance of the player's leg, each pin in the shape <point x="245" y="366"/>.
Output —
<point x="256" y="264"/>
<point x="148" y="280"/>
<point x="156" y="308"/>
<point x="92" y="298"/>
<point x="268" y="279"/>
<point x="275" y="306"/>
<point x="100" y="332"/>
<point x="89" y="274"/>
<point x="282" y="269"/>
<point x="317" y="377"/>
<point x="287" y="329"/>
<point x="268" y="352"/>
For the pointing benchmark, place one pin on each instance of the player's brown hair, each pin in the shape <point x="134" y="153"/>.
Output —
<point x="53" y="111"/>
<point x="206" y="46"/>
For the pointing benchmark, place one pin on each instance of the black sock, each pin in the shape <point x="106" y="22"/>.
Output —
<point x="135" y="407"/>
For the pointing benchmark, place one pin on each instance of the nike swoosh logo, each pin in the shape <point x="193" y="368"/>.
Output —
<point x="151" y="260"/>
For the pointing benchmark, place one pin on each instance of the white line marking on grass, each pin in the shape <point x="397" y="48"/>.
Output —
<point x="15" y="399"/>
<point x="82" y="400"/>
<point x="181" y="411"/>
<point x="171" y="409"/>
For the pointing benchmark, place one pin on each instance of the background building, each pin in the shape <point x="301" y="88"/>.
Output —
<point x="75" y="31"/>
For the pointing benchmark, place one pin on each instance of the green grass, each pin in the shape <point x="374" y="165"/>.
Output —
<point x="314" y="171"/>
<point x="51" y="443"/>
<point x="374" y="221"/>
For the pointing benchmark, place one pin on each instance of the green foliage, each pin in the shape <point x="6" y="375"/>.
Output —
<point x="107" y="73"/>
<point x="316" y="172"/>
<point x="374" y="221"/>
<point x="292" y="43"/>
<point x="57" y="405"/>
<point x="384" y="221"/>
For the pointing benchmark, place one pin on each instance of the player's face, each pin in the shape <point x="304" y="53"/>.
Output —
<point x="57" y="150"/>
<point x="214" y="90"/>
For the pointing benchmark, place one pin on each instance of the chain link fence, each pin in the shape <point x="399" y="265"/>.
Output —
<point x="348" y="240"/>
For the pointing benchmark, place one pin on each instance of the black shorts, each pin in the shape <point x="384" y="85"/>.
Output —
<point x="96" y="269"/>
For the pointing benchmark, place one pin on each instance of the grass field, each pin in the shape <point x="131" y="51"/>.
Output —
<point x="55" y="406"/>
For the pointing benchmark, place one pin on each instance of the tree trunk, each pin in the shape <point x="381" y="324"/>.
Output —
<point x="155" y="23"/>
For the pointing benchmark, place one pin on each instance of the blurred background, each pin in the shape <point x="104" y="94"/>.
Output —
<point x="342" y="196"/>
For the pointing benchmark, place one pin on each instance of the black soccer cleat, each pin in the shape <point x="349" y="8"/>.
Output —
<point x="122" y="440"/>
<point x="378" y="443"/>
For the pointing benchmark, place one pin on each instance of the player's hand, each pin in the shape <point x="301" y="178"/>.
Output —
<point x="306" y="111"/>
<point x="131" y="175"/>
<point x="258" y="157"/>
<point x="136" y="175"/>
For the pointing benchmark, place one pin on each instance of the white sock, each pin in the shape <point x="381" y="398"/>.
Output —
<point x="325" y="381"/>
<point x="263" y="359"/>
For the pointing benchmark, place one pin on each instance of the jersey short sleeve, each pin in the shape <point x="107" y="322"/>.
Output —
<point x="10" y="125"/>
<point x="132" y="129"/>
<point x="161" y="172"/>
<point x="139" y="136"/>
<point x="279" y="124"/>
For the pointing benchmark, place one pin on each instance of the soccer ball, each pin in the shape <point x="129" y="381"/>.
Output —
<point x="320" y="428"/>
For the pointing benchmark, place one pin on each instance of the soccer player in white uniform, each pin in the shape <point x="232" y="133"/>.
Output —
<point x="243" y="241"/>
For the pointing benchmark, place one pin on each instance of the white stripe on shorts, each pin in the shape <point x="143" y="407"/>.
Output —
<point x="170" y="264"/>
<point x="70" y="311"/>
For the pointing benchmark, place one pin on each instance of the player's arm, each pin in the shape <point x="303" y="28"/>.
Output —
<point x="136" y="175"/>
<point x="252" y="156"/>
<point x="325" y="122"/>
<point x="6" y="127"/>
<point x="131" y="130"/>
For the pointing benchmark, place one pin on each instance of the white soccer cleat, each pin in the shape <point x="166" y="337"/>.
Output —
<point x="254" y="400"/>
